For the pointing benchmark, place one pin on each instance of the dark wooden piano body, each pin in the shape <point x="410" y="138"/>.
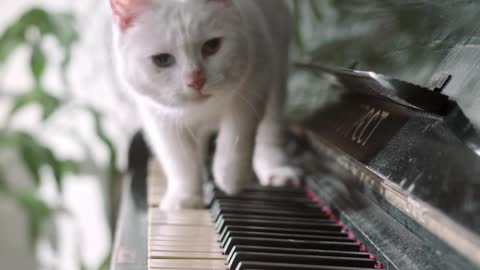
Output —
<point x="397" y="161"/>
<point x="420" y="168"/>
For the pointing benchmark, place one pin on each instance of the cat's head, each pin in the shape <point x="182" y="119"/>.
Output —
<point x="180" y="52"/>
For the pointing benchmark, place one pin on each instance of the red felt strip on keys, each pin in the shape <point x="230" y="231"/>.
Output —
<point x="327" y="211"/>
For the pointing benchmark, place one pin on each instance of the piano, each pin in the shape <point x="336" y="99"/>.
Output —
<point x="392" y="182"/>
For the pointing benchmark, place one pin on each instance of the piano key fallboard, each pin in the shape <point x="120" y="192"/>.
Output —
<point x="262" y="229"/>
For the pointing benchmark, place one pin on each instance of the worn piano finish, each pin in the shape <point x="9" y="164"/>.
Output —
<point x="418" y="164"/>
<point x="410" y="40"/>
<point x="402" y="173"/>
<point x="424" y="155"/>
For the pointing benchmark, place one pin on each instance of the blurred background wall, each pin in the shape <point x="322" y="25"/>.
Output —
<point x="43" y="226"/>
<point x="65" y="127"/>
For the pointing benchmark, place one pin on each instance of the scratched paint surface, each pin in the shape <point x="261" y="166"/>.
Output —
<point x="410" y="40"/>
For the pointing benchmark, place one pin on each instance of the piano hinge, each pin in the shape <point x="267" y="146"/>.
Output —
<point x="438" y="82"/>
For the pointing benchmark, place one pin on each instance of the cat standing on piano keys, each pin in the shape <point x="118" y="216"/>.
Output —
<point x="197" y="66"/>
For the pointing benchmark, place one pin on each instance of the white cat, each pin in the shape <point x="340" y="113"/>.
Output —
<point x="195" y="66"/>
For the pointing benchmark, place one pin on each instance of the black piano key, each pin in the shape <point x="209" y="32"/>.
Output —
<point x="279" y="218"/>
<point x="293" y="237"/>
<point x="259" y="204"/>
<point x="292" y="194"/>
<point x="280" y="230"/>
<point x="263" y="194"/>
<point x="299" y="260"/>
<point x="312" y="252"/>
<point x="293" y="190"/>
<point x="257" y="199"/>
<point x="289" y="190"/>
<point x="285" y="266"/>
<point x="266" y="198"/>
<point x="314" y="213"/>
<point x="264" y="229"/>
<point x="309" y="213"/>
<point x="278" y="224"/>
<point x="282" y="243"/>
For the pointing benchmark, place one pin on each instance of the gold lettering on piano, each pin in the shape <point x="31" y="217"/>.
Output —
<point x="365" y="127"/>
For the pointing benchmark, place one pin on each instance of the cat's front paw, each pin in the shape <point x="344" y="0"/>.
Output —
<point x="178" y="202"/>
<point x="232" y="177"/>
<point x="282" y="176"/>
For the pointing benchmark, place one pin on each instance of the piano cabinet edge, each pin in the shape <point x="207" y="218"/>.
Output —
<point x="130" y="244"/>
<point x="351" y="200"/>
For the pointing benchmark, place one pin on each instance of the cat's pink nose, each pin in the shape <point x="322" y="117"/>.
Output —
<point x="197" y="81"/>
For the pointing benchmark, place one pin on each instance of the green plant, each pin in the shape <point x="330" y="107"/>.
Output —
<point x="30" y="31"/>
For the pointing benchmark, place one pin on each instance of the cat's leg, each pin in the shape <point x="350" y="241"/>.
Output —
<point x="232" y="166"/>
<point x="271" y="162"/>
<point x="180" y="157"/>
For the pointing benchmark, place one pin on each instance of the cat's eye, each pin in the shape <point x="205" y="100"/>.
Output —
<point x="211" y="47"/>
<point x="163" y="60"/>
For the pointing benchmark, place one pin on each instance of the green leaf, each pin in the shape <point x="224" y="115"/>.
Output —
<point x="38" y="211"/>
<point x="102" y="135"/>
<point x="12" y="38"/>
<point x="105" y="265"/>
<point x="23" y="101"/>
<point x="60" y="25"/>
<point x="69" y="167"/>
<point x="38" y="63"/>
<point x="16" y="34"/>
<point x="31" y="28"/>
<point x="3" y="183"/>
<point x="63" y="27"/>
<point x="56" y="167"/>
<point x="315" y="9"/>
<point x="36" y="156"/>
<point x="32" y="154"/>
<point x="6" y="139"/>
<point x="60" y="168"/>
<point x="67" y="35"/>
<point x="48" y="103"/>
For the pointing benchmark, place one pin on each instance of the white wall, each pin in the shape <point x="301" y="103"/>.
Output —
<point x="84" y="234"/>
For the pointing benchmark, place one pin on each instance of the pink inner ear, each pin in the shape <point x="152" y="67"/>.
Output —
<point x="125" y="11"/>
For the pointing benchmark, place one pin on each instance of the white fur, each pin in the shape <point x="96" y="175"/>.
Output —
<point x="246" y="81"/>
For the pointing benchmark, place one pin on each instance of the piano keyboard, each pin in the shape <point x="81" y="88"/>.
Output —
<point x="261" y="229"/>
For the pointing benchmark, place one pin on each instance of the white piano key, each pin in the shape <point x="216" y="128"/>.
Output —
<point x="180" y="240"/>
<point x="187" y="264"/>
<point x="184" y="243"/>
<point x="185" y="238"/>
<point x="181" y="230"/>
<point x="187" y="255"/>
<point x="186" y="249"/>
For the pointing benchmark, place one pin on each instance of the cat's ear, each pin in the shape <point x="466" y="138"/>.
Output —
<point x="124" y="12"/>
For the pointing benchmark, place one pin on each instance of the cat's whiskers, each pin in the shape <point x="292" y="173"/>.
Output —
<point x="249" y="104"/>
<point x="213" y="83"/>
<point x="216" y="79"/>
